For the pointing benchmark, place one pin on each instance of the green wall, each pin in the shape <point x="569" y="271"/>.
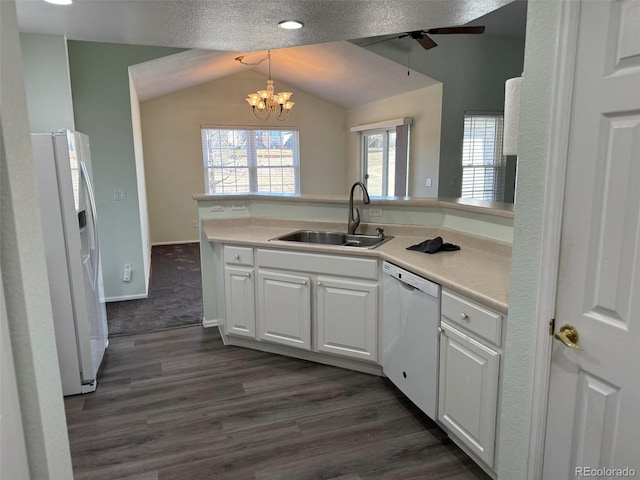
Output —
<point x="102" y="109"/>
<point x="472" y="69"/>
<point x="47" y="82"/>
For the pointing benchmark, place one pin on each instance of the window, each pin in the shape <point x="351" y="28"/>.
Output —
<point x="250" y="160"/>
<point x="385" y="157"/>
<point x="482" y="160"/>
<point x="379" y="155"/>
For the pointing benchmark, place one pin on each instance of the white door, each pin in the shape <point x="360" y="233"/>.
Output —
<point x="347" y="321"/>
<point x="240" y="316"/>
<point x="284" y="309"/>
<point x="468" y="391"/>
<point x="594" y="399"/>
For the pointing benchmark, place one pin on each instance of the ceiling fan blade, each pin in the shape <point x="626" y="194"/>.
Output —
<point x="454" y="30"/>
<point x="426" y="42"/>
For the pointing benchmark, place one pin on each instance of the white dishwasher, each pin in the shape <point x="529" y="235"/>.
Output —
<point x="410" y="320"/>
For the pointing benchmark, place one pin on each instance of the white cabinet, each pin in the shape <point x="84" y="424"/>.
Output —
<point x="469" y="374"/>
<point x="334" y="297"/>
<point x="284" y="308"/>
<point x="347" y="317"/>
<point x="240" y="318"/>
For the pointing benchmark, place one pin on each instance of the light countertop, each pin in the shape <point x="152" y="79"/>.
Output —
<point x="480" y="270"/>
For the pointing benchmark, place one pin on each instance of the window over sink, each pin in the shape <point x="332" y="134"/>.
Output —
<point x="385" y="156"/>
<point x="250" y="160"/>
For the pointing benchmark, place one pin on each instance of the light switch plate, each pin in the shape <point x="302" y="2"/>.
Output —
<point x="375" y="212"/>
<point x="119" y="194"/>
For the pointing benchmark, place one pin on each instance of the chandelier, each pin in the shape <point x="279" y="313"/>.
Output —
<point x="265" y="103"/>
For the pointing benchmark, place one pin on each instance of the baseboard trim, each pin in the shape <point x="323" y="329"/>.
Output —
<point x="181" y="242"/>
<point x="327" y="359"/>
<point x="211" y="323"/>
<point x="137" y="296"/>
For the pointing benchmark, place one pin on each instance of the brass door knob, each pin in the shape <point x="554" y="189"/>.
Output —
<point x="569" y="336"/>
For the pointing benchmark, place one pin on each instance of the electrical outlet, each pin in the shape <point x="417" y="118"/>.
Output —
<point x="217" y="208"/>
<point x="126" y="273"/>
<point x="375" y="212"/>
<point x="427" y="183"/>
<point x="238" y="206"/>
<point x="195" y="224"/>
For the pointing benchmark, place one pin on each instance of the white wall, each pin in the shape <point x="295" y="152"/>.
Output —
<point x="24" y="274"/>
<point x="425" y="107"/>
<point x="173" y="146"/>
<point x="47" y="82"/>
<point x="543" y="33"/>
<point x="138" y="153"/>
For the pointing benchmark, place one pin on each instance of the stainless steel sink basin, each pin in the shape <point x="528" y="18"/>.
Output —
<point x="334" y="238"/>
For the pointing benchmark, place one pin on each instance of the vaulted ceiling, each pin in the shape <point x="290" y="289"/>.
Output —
<point x="310" y="59"/>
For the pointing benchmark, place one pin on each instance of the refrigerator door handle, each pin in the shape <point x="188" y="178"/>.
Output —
<point x="92" y="203"/>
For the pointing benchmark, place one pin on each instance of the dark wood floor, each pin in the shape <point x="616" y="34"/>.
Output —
<point x="177" y="404"/>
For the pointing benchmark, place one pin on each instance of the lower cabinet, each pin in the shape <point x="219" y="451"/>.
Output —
<point x="318" y="302"/>
<point x="284" y="308"/>
<point x="347" y="317"/>
<point x="239" y="288"/>
<point x="240" y="317"/>
<point x="468" y="393"/>
<point x="469" y="382"/>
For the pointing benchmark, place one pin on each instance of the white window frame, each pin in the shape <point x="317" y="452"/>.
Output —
<point x="475" y="163"/>
<point x="252" y="167"/>
<point x="401" y="126"/>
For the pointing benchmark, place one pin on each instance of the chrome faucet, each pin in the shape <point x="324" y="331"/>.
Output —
<point x="354" y="220"/>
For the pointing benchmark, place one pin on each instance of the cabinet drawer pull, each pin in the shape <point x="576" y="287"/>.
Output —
<point x="441" y="330"/>
<point x="236" y="256"/>
<point x="464" y="316"/>
<point x="304" y="282"/>
<point x="248" y="274"/>
<point x="319" y="283"/>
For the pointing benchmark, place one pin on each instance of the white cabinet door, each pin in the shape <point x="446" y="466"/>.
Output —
<point x="468" y="391"/>
<point x="347" y="318"/>
<point x="284" y="309"/>
<point x="240" y="317"/>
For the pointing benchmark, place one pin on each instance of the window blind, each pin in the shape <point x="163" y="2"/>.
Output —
<point x="482" y="159"/>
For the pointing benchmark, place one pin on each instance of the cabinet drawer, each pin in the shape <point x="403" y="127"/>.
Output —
<point x="238" y="255"/>
<point x="472" y="316"/>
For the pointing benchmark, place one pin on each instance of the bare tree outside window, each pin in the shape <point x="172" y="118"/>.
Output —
<point x="250" y="160"/>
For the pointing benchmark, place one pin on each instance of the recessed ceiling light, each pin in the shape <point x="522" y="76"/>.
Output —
<point x="290" y="24"/>
<point x="60" y="2"/>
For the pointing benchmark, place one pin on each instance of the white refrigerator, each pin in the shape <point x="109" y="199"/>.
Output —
<point x="63" y="166"/>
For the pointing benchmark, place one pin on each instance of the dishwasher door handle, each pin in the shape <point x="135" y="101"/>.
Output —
<point x="406" y="286"/>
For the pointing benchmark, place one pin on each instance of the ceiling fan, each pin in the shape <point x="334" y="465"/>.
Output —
<point x="423" y="38"/>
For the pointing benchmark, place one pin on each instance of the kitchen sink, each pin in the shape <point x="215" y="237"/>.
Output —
<point x="334" y="238"/>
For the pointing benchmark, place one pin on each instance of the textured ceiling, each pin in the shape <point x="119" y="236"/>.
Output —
<point x="242" y="25"/>
<point x="220" y="30"/>
<point x="338" y="72"/>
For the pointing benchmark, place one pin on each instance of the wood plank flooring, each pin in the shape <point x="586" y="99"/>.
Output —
<point x="178" y="404"/>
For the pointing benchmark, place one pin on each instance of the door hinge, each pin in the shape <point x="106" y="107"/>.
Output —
<point x="552" y="326"/>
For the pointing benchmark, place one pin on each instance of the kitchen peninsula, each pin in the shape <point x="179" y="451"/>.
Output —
<point x="484" y="230"/>
<point x="330" y="303"/>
